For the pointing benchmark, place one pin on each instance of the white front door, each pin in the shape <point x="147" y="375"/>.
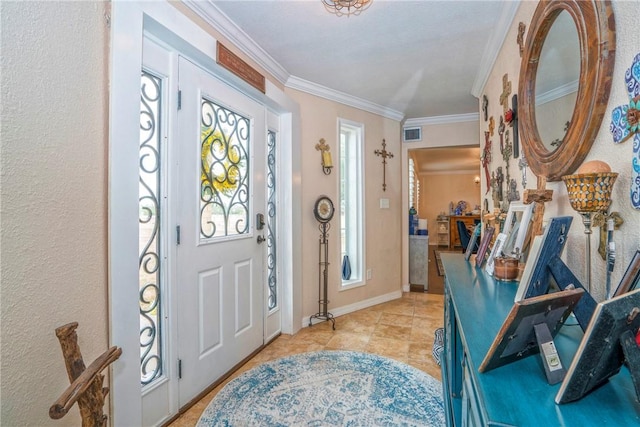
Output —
<point x="220" y="255"/>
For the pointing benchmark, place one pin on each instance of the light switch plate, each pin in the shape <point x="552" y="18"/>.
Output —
<point x="384" y="203"/>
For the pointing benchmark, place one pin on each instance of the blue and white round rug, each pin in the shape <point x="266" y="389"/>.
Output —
<point x="329" y="388"/>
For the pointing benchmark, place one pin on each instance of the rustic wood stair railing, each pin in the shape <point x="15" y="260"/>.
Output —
<point x="86" y="383"/>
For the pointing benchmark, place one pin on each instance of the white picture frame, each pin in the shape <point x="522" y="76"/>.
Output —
<point x="516" y="227"/>
<point x="495" y="251"/>
<point x="532" y="260"/>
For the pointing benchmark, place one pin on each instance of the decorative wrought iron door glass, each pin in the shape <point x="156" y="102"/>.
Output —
<point x="150" y="265"/>
<point x="224" y="181"/>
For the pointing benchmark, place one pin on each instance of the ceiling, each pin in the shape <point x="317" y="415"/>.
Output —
<point x="410" y="59"/>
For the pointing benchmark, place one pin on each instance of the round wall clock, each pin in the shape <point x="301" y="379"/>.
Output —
<point x="323" y="209"/>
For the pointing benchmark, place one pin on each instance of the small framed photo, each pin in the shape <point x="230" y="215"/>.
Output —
<point x="631" y="278"/>
<point x="516" y="227"/>
<point x="473" y="240"/>
<point x="532" y="260"/>
<point x="484" y="245"/>
<point x="495" y="251"/>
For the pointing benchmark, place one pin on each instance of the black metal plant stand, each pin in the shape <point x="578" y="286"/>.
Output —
<point x="323" y="278"/>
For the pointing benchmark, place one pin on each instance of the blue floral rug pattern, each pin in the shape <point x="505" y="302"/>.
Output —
<point x="329" y="388"/>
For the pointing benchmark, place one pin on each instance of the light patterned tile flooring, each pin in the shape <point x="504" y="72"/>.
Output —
<point x="402" y="329"/>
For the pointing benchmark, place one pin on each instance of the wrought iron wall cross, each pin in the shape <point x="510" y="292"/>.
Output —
<point x="385" y="154"/>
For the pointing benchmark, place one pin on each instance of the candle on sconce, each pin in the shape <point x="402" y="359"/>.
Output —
<point x="324" y="148"/>
<point x="326" y="159"/>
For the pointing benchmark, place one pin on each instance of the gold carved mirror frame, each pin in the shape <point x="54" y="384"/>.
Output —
<point x="596" y="32"/>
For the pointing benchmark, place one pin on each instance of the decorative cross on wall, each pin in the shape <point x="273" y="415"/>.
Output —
<point x="506" y="155"/>
<point x="600" y="220"/>
<point x="384" y="154"/>
<point x="506" y="91"/>
<point x="511" y="117"/>
<point x="501" y="129"/>
<point x="485" y="106"/>
<point x="625" y="123"/>
<point x="486" y="160"/>
<point x="523" y="165"/>
<point x="520" y="38"/>
<point x="539" y="196"/>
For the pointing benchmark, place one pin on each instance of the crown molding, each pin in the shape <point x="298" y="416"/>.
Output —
<point x="494" y="45"/>
<point x="342" y="98"/>
<point x="441" y="120"/>
<point x="556" y="93"/>
<point x="223" y="24"/>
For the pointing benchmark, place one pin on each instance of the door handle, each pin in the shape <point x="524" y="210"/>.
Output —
<point x="259" y="221"/>
<point x="261" y="239"/>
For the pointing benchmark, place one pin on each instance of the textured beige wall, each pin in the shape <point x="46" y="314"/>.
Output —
<point x="437" y="191"/>
<point x="54" y="199"/>
<point x="382" y="235"/>
<point x="617" y="156"/>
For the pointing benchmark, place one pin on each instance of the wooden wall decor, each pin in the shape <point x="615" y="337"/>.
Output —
<point x="539" y="196"/>
<point x="237" y="66"/>
<point x="595" y="26"/>
<point x="520" y="39"/>
<point x="506" y="91"/>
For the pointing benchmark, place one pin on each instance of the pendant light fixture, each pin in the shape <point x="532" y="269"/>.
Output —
<point x="346" y="7"/>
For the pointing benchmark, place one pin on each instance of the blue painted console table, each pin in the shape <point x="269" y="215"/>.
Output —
<point x="516" y="394"/>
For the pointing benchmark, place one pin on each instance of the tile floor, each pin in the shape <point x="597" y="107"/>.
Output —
<point x="401" y="329"/>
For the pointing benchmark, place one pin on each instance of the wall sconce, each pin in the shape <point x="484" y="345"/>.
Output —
<point x="324" y="148"/>
<point x="476" y="180"/>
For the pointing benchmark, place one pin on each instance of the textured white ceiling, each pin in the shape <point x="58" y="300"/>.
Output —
<point x="420" y="58"/>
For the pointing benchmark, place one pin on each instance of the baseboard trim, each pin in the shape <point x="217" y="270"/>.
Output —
<point x="340" y="311"/>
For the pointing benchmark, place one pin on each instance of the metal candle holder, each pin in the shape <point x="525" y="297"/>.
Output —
<point x="589" y="193"/>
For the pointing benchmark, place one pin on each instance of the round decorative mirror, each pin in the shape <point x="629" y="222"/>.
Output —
<point x="557" y="81"/>
<point x="565" y="80"/>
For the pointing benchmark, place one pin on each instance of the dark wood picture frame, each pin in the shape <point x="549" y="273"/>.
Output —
<point x="517" y="339"/>
<point x="631" y="278"/>
<point x="472" y="240"/>
<point x="484" y="245"/>
<point x="600" y="354"/>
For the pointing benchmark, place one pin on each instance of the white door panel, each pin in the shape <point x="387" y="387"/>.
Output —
<point x="220" y="261"/>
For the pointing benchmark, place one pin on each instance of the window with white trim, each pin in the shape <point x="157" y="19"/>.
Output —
<point x="411" y="184"/>
<point x="351" y="201"/>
